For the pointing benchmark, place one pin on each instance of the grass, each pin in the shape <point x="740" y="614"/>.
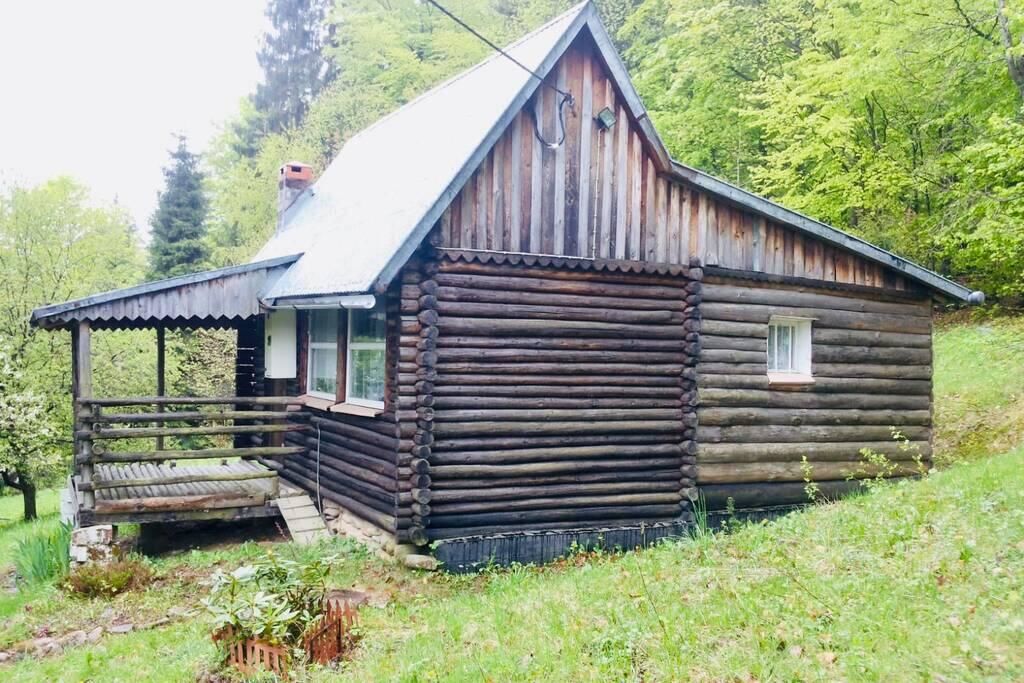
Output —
<point x="915" y="581"/>
<point x="979" y="388"/>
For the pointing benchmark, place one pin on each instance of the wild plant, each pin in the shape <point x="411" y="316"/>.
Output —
<point x="811" y="488"/>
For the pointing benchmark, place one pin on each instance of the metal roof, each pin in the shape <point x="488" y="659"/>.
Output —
<point x="355" y="228"/>
<point x="210" y="298"/>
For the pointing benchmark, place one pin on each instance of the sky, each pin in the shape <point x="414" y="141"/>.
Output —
<point x="96" y="89"/>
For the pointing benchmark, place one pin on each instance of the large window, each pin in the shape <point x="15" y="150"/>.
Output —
<point x="789" y="349"/>
<point x="322" y="379"/>
<point x="365" y="364"/>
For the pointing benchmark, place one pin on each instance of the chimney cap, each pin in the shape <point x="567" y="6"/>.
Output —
<point x="296" y="170"/>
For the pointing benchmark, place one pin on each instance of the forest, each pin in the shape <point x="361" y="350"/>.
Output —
<point x="900" y="122"/>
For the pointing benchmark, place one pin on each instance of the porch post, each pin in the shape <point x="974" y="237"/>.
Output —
<point x="160" y="387"/>
<point x="81" y="387"/>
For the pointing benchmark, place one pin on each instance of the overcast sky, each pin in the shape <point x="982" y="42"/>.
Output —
<point x="96" y="88"/>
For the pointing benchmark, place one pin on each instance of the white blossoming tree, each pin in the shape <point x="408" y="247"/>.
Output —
<point x="29" y="450"/>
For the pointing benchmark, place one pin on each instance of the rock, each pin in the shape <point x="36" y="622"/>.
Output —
<point x="6" y="657"/>
<point x="155" y="624"/>
<point x="45" y="646"/>
<point x="121" y="628"/>
<point x="73" y="638"/>
<point x="425" y="562"/>
<point x="100" y="534"/>
<point x="94" y="635"/>
<point x="178" y="612"/>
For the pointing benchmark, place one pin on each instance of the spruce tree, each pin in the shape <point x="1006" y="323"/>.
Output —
<point x="292" y="56"/>
<point x="179" y="223"/>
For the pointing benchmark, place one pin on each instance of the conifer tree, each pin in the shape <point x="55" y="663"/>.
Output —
<point x="295" y="67"/>
<point x="179" y="223"/>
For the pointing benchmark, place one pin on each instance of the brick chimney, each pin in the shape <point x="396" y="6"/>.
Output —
<point x="292" y="180"/>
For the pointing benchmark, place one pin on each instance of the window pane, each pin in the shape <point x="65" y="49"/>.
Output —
<point x="773" y="363"/>
<point x="785" y="348"/>
<point x="323" y="326"/>
<point x="367" y="325"/>
<point x="366" y="370"/>
<point x="323" y="369"/>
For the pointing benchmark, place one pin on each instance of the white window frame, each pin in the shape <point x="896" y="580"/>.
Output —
<point x="800" y="348"/>
<point x="323" y="346"/>
<point x="351" y="346"/>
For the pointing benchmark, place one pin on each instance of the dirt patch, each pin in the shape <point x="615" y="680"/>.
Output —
<point x="170" y="539"/>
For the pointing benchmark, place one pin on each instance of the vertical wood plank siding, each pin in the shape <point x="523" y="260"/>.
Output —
<point x="872" y="369"/>
<point x="599" y="195"/>
<point x="536" y="398"/>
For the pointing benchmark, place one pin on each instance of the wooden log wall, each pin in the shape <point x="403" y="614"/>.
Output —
<point x="872" y="368"/>
<point x="540" y="397"/>
<point x="358" y="456"/>
<point x="600" y="195"/>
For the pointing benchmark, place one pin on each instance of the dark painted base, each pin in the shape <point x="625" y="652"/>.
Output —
<point x="464" y="555"/>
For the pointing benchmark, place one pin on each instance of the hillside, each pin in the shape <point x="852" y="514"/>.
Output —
<point x="919" y="580"/>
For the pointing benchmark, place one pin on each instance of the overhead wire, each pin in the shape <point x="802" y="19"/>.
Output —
<point x="566" y="97"/>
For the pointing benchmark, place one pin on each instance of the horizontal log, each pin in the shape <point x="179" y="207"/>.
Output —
<point x="442" y="403"/>
<point x="148" y="432"/>
<point x="498" y="495"/>
<point x="724" y="328"/>
<point x="561" y="503"/>
<point x="788" y="297"/>
<point x="555" y="327"/>
<point x="519" y="296"/>
<point x="711" y="341"/>
<point x="381" y="520"/>
<point x="749" y="313"/>
<point x="758" y="368"/>
<point x="743" y="496"/>
<point x="192" y="400"/>
<point x="440" y="534"/>
<point x="211" y="501"/>
<point x="870" y="338"/>
<point x="212" y="415"/>
<point x="794" y="452"/>
<point x="604" y="415"/>
<point x="383" y="468"/>
<point x="627" y="379"/>
<point x="540" y="468"/>
<point x="555" y="390"/>
<point x="149" y="456"/>
<point x="98" y="484"/>
<point x="356" y="431"/>
<point x="812" y="416"/>
<point x="818" y="434"/>
<point x="873" y="371"/>
<point x="457" y="429"/>
<point x="331" y="477"/>
<point x="720" y="356"/>
<point x="735" y="473"/>
<point x="559" y="343"/>
<point x="828" y="353"/>
<point x="528" y="440"/>
<point x="903" y="387"/>
<point x="511" y="456"/>
<point x="582" y="514"/>
<point x="712" y="397"/>
<point x="488" y="483"/>
<point x="487" y="355"/>
<point x="562" y="280"/>
<point x="560" y="313"/>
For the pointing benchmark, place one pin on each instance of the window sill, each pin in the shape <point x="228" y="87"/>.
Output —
<point x="357" y="410"/>
<point x="316" y="402"/>
<point x="788" y="378"/>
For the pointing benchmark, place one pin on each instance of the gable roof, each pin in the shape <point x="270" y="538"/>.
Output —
<point x="360" y="222"/>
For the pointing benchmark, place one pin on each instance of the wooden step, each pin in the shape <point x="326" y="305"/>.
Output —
<point x="302" y="518"/>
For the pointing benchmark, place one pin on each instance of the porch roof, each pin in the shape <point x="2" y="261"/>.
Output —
<point x="213" y="298"/>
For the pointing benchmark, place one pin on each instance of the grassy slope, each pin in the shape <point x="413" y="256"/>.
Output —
<point x="920" y="580"/>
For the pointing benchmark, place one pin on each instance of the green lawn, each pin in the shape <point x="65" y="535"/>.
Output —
<point x="915" y="581"/>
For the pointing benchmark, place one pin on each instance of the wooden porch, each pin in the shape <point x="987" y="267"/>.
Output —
<point x="120" y="477"/>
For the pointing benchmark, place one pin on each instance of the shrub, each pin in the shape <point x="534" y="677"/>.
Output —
<point x="44" y="555"/>
<point x="107" y="579"/>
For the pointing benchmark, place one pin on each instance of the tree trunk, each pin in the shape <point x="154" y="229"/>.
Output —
<point x="1014" y="64"/>
<point x="28" y="495"/>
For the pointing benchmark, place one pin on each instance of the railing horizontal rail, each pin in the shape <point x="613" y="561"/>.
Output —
<point x="183" y="416"/>
<point x="198" y="454"/>
<point x="193" y="400"/>
<point x="149" y="432"/>
<point x="97" y="484"/>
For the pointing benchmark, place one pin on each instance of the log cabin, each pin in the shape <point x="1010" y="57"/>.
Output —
<point x="513" y="323"/>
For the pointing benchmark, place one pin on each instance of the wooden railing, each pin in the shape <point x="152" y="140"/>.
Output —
<point x="100" y="422"/>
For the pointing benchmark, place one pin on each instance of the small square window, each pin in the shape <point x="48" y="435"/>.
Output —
<point x="789" y="350"/>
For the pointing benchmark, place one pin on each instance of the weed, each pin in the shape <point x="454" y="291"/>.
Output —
<point x="811" y="487"/>
<point x="107" y="579"/>
<point x="43" y="556"/>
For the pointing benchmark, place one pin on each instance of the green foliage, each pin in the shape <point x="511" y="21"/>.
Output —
<point x="109" y="578"/>
<point x="274" y="599"/>
<point x="179" y="222"/>
<point x="44" y="555"/>
<point x="895" y="121"/>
